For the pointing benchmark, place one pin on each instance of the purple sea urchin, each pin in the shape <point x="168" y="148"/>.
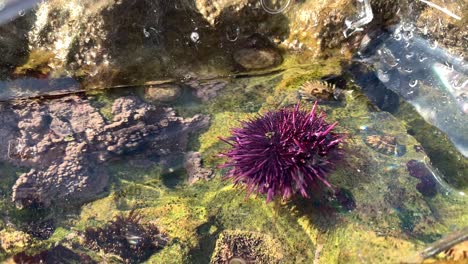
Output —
<point x="283" y="152"/>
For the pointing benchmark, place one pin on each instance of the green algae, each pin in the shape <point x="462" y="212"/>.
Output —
<point x="8" y="176"/>
<point x="103" y="101"/>
<point x="37" y="63"/>
<point x="13" y="242"/>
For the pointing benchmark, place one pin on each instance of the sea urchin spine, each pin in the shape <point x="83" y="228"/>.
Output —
<point x="283" y="152"/>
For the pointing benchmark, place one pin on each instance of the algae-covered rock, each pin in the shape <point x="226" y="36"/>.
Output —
<point x="88" y="40"/>
<point x="255" y="59"/>
<point x="245" y="247"/>
<point x="163" y="93"/>
<point x="37" y="64"/>
<point x="58" y="254"/>
<point x="448" y="31"/>
<point x="195" y="170"/>
<point x="126" y="237"/>
<point x="256" y="53"/>
<point x="208" y="89"/>
<point x="14" y="44"/>
<point x="12" y="241"/>
<point x="65" y="141"/>
<point x="211" y="9"/>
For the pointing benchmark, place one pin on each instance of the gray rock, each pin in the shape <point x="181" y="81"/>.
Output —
<point x="256" y="59"/>
<point x="195" y="170"/>
<point x="257" y="52"/>
<point x="66" y="143"/>
<point x="163" y="93"/>
<point x="207" y="90"/>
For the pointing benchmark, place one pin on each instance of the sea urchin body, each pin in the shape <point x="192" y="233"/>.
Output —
<point x="283" y="152"/>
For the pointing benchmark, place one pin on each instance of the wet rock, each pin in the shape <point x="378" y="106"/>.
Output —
<point x="52" y="141"/>
<point x="66" y="142"/>
<point x="8" y="130"/>
<point x="142" y="163"/>
<point x="245" y="247"/>
<point x="11" y="241"/>
<point x="446" y="31"/>
<point x="458" y="252"/>
<point x="195" y="169"/>
<point x="14" y="44"/>
<point x="55" y="255"/>
<point x="40" y="228"/>
<point x="257" y="52"/>
<point x="163" y="93"/>
<point x="68" y="179"/>
<point x="427" y="185"/>
<point x="207" y="90"/>
<point x="211" y="9"/>
<point x="256" y="59"/>
<point x="345" y="198"/>
<point x="127" y="237"/>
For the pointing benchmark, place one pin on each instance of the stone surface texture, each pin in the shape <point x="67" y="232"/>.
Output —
<point x="66" y="143"/>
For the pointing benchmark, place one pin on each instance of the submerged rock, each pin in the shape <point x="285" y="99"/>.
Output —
<point x="207" y="90"/>
<point x="66" y="142"/>
<point x="163" y="93"/>
<point x="444" y="29"/>
<point x="257" y="59"/>
<point x="40" y="228"/>
<point x="212" y="9"/>
<point x="428" y="183"/>
<point x="127" y="237"/>
<point x="245" y="247"/>
<point x="195" y="169"/>
<point x="14" y="45"/>
<point x="257" y="53"/>
<point x="12" y="241"/>
<point x="58" y="254"/>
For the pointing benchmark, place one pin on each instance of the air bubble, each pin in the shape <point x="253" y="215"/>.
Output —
<point x="422" y="58"/>
<point x="146" y="33"/>
<point x="21" y="12"/>
<point x="407" y="26"/>
<point x="195" y="37"/>
<point x="397" y="37"/>
<point x="383" y="77"/>
<point x="433" y="45"/>
<point x="413" y="83"/>
<point x="456" y="84"/>
<point x="408" y="35"/>
<point x="275" y="6"/>
<point x="410" y="55"/>
<point x="408" y="70"/>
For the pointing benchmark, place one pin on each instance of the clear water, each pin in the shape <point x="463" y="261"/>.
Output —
<point x="112" y="116"/>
